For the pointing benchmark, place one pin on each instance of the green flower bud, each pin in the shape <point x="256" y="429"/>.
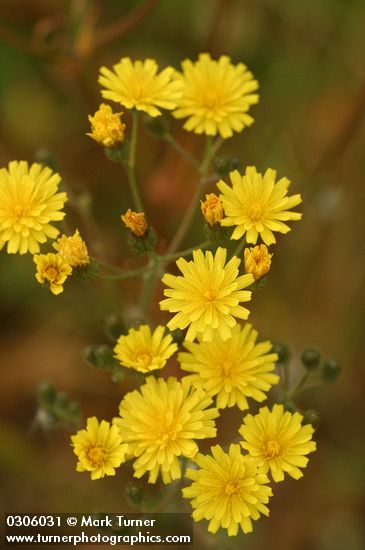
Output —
<point x="119" y="153"/>
<point x="178" y="336"/>
<point x="311" y="359"/>
<point x="86" y="273"/>
<point x="134" y="495"/>
<point x="101" y="357"/>
<point x="330" y="370"/>
<point x="310" y="416"/>
<point x="157" y="127"/>
<point x="145" y="244"/>
<point x="45" y="157"/>
<point x="283" y="352"/>
<point x="223" y="165"/>
<point x="114" y="326"/>
<point x="290" y="406"/>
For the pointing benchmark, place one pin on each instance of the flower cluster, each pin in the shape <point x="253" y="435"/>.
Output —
<point x="223" y="362"/>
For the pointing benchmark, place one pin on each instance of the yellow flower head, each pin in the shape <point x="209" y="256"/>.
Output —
<point x="29" y="202"/>
<point x="138" y="85"/>
<point x="207" y="297"/>
<point x="257" y="205"/>
<point x="257" y="261"/>
<point x="232" y="370"/>
<point x="216" y="96"/>
<point x="228" y="490"/>
<point x="143" y="350"/>
<point x="212" y="209"/>
<point x="136" y="222"/>
<point x="106" y="126"/>
<point x="160" y="422"/>
<point x="278" y="441"/>
<point x="72" y="249"/>
<point x="52" y="269"/>
<point x="99" y="448"/>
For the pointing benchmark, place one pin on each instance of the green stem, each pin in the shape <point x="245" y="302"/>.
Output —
<point x="130" y="167"/>
<point x="210" y="150"/>
<point x="120" y="275"/>
<point x="170" y="257"/>
<point x="239" y="247"/>
<point x="181" y="151"/>
<point x="290" y="396"/>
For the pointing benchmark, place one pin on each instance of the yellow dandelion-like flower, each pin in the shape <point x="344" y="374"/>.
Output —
<point x="207" y="297"/>
<point x="136" y="222"/>
<point x="212" y="209"/>
<point x="228" y="490"/>
<point x="233" y="370"/>
<point x="106" y="126"/>
<point x="29" y="201"/>
<point x="216" y="96"/>
<point x="72" y="249"/>
<point x="139" y="85"/>
<point x="257" y="261"/>
<point x="52" y="269"/>
<point x="161" y="422"/>
<point x="99" y="448"/>
<point x="278" y="441"/>
<point x="257" y="205"/>
<point x="143" y="350"/>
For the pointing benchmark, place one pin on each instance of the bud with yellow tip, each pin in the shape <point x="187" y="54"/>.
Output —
<point x="212" y="209"/>
<point x="106" y="126"/>
<point x="257" y="261"/>
<point x="136" y="222"/>
<point x="72" y="249"/>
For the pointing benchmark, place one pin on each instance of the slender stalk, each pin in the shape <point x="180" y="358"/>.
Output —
<point x="130" y="167"/>
<point x="210" y="150"/>
<point x="169" y="257"/>
<point x="182" y="152"/>
<point x="120" y="275"/>
<point x="239" y="247"/>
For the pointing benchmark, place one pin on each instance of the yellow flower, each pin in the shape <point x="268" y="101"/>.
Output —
<point x="28" y="203"/>
<point x="144" y="351"/>
<point x="216" y="96"/>
<point x="257" y="205"/>
<point x="72" y="249"/>
<point x="232" y="370"/>
<point x="212" y="209"/>
<point x="257" y="261"/>
<point x="207" y="297"/>
<point x="136" y="222"/>
<point x="106" y="126"/>
<point x="52" y="269"/>
<point x="160" y="422"/>
<point x="99" y="448"/>
<point x="228" y="490"/>
<point x="278" y="441"/>
<point x="138" y="85"/>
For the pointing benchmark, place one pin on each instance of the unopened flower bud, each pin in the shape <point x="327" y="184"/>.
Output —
<point x="72" y="249"/>
<point x="311" y="359"/>
<point x="106" y="126"/>
<point x="282" y="351"/>
<point x="212" y="209"/>
<point x="257" y="261"/>
<point x="136" y="222"/>
<point x="330" y="370"/>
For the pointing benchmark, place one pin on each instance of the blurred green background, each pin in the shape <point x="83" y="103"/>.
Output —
<point x="309" y="60"/>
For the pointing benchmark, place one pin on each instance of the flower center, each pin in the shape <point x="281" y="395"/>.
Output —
<point x="255" y="212"/>
<point x="96" y="455"/>
<point x="227" y="367"/>
<point x="272" y="449"/>
<point x="166" y="430"/>
<point x="18" y="213"/>
<point x="144" y="357"/>
<point x="210" y="296"/>
<point x="51" y="273"/>
<point x="231" y="488"/>
<point x="211" y="99"/>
